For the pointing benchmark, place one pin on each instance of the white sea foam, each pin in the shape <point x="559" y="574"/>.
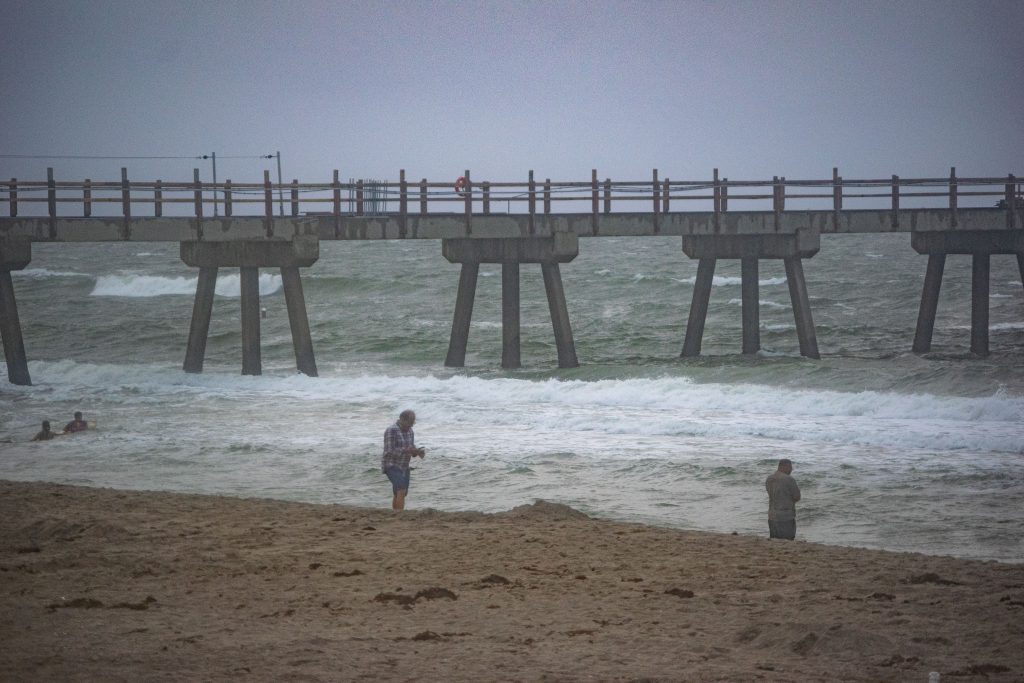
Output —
<point x="43" y="273"/>
<point x="762" y="302"/>
<point x="731" y="281"/>
<point x="615" y="412"/>
<point x="136" y="286"/>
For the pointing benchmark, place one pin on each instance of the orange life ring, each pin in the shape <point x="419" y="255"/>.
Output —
<point x="461" y="185"/>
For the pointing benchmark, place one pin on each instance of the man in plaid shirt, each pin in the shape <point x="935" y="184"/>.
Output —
<point x="399" y="449"/>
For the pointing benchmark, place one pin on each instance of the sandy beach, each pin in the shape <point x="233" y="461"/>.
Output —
<point x="100" y="584"/>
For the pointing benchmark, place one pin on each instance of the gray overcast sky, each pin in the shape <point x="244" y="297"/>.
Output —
<point x="754" y="88"/>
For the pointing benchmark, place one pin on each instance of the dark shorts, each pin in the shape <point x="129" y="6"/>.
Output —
<point x="782" y="529"/>
<point x="399" y="478"/>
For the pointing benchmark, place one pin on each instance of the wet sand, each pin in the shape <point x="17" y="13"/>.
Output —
<point x="106" y="585"/>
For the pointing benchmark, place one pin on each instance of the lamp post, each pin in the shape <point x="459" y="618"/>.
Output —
<point x="280" y="189"/>
<point x="213" y="156"/>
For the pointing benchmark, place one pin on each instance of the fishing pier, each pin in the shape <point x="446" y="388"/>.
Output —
<point x="235" y="225"/>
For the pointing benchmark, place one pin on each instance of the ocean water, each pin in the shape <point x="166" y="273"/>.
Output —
<point x="892" y="450"/>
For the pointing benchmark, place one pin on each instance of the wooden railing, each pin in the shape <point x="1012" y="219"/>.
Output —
<point x="657" y="195"/>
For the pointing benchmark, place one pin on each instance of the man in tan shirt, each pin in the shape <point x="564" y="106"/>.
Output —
<point x="783" y="493"/>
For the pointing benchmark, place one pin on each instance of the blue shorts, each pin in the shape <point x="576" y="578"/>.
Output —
<point x="399" y="478"/>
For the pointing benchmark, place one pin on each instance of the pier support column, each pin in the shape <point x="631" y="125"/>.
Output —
<point x="929" y="303"/>
<point x="249" y="257"/>
<point x="13" y="256"/>
<point x="250" y="289"/>
<point x="980" y="245"/>
<point x="801" y="307"/>
<point x="559" y="315"/>
<point x="199" y="330"/>
<point x="510" y="253"/>
<point x="510" y="315"/>
<point x="699" y="307"/>
<point x="980" y="267"/>
<point x="751" y="305"/>
<point x="302" y="341"/>
<point x="792" y="248"/>
<point x="463" y="315"/>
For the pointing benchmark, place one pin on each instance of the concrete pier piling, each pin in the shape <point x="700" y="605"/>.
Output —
<point x="249" y="257"/>
<point x="199" y="330"/>
<point x="456" y="357"/>
<point x="792" y="248"/>
<point x="980" y="245"/>
<point x="510" y="253"/>
<point x="14" y="255"/>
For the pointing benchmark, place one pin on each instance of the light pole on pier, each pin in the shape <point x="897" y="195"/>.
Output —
<point x="213" y="156"/>
<point x="280" y="188"/>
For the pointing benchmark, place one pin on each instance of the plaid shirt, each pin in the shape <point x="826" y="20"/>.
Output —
<point x="396" y="441"/>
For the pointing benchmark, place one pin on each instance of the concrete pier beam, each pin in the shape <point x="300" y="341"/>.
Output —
<point x="299" y="321"/>
<point x="199" y="329"/>
<point x="463" y="315"/>
<point x="510" y="252"/>
<point x="250" y="284"/>
<point x="699" y="307"/>
<point x="801" y="307"/>
<point x="929" y="303"/>
<point x="559" y="316"/>
<point x="751" y="310"/>
<point x="14" y="255"/>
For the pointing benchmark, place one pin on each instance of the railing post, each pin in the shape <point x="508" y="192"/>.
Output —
<point x="666" y="193"/>
<point x="1011" y="202"/>
<point x="593" y="200"/>
<point x="336" y="202"/>
<point x="776" y="202"/>
<point x="158" y="198"/>
<point x="953" y="197"/>
<point x="716" y="194"/>
<point x="268" y="212"/>
<point x="547" y="195"/>
<point x="403" y="202"/>
<point x="607" y="195"/>
<point x="13" y="196"/>
<point x="197" y="193"/>
<point x="87" y="198"/>
<point x="469" y="204"/>
<point x="359" y="197"/>
<point x="782" y="193"/>
<point x="423" y="196"/>
<point x="126" y="203"/>
<point x="725" y="195"/>
<point x="837" y="197"/>
<point x="532" y="200"/>
<point x="487" y="196"/>
<point x="295" y="197"/>
<point x="895" y="201"/>
<point x="51" y="201"/>
<point x="655" y="200"/>
<point x="227" y="198"/>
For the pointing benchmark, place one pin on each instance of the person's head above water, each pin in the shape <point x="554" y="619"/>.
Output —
<point x="46" y="425"/>
<point x="78" y="415"/>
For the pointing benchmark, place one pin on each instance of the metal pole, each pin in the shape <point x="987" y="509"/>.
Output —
<point x="215" y="211"/>
<point x="280" y="191"/>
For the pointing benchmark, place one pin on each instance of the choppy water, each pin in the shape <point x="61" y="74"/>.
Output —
<point x="892" y="450"/>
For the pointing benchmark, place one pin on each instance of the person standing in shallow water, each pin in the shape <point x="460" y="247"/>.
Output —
<point x="783" y="494"/>
<point x="45" y="434"/>
<point x="76" y="425"/>
<point x="399" y="449"/>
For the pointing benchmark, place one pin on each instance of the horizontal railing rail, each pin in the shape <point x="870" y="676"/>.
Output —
<point x="403" y="197"/>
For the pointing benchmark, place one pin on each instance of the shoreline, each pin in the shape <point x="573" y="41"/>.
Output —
<point x="131" y="585"/>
